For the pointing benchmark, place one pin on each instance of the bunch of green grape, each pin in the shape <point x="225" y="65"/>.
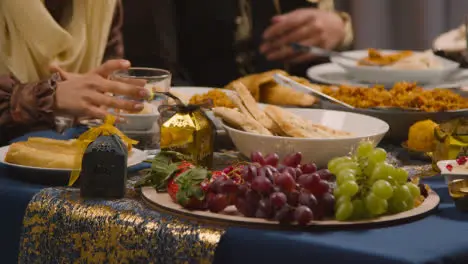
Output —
<point x="367" y="186"/>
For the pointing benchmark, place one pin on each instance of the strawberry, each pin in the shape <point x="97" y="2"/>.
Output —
<point x="186" y="188"/>
<point x="172" y="186"/>
<point x="172" y="189"/>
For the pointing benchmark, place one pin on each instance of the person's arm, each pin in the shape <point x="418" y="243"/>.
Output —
<point x="349" y="35"/>
<point x="25" y="107"/>
<point x="115" y="45"/>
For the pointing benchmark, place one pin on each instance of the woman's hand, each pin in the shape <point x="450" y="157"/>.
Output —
<point x="307" y="26"/>
<point x="87" y="94"/>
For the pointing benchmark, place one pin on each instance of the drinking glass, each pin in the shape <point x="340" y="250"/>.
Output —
<point x="156" y="80"/>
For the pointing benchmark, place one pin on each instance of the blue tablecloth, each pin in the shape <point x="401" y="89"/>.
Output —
<point x="15" y="196"/>
<point x="438" y="238"/>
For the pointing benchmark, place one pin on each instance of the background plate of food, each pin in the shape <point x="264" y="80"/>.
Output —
<point x="50" y="156"/>
<point x="401" y="107"/>
<point x="390" y="66"/>
<point x="318" y="134"/>
<point x="333" y="74"/>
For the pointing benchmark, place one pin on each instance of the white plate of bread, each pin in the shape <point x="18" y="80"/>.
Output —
<point x="318" y="134"/>
<point x="51" y="154"/>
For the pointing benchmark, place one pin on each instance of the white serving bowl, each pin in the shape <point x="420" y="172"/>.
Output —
<point x="139" y="122"/>
<point x="386" y="75"/>
<point x="317" y="150"/>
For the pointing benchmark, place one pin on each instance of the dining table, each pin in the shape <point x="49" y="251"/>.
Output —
<point x="52" y="224"/>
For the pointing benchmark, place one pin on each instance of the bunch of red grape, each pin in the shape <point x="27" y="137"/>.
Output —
<point x="286" y="191"/>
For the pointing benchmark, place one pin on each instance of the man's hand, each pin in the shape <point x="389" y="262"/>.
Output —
<point x="306" y="26"/>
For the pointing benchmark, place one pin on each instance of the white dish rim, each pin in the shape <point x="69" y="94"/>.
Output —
<point x="448" y="64"/>
<point x="386" y="128"/>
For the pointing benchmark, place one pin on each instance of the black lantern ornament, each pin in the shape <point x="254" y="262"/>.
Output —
<point x="104" y="168"/>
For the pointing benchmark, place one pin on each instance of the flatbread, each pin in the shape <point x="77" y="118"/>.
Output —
<point x="293" y="125"/>
<point x="238" y="102"/>
<point x="252" y="106"/>
<point x="240" y="120"/>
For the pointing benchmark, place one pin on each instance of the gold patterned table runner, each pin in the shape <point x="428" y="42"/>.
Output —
<point x="60" y="227"/>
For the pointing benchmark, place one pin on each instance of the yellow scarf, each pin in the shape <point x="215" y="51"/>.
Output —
<point x="31" y="40"/>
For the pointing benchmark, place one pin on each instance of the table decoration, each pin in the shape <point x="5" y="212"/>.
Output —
<point x="103" y="168"/>
<point x="188" y="130"/>
<point x="107" y="129"/>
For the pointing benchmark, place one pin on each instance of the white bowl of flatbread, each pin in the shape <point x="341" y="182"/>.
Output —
<point x="318" y="134"/>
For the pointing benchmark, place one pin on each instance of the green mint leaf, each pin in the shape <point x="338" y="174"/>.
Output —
<point x="162" y="169"/>
<point x="165" y="176"/>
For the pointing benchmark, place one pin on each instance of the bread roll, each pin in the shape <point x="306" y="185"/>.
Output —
<point x="272" y="93"/>
<point x="23" y="154"/>
<point x="253" y="82"/>
<point x="263" y="88"/>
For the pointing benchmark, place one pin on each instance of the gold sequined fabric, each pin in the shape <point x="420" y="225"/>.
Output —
<point x="60" y="227"/>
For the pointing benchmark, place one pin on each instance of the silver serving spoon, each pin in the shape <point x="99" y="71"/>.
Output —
<point x="288" y="82"/>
